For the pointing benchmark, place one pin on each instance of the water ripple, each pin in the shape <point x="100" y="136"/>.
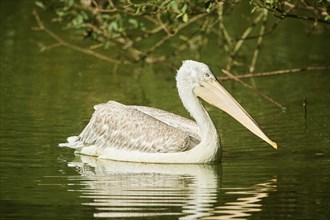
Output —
<point x="125" y="190"/>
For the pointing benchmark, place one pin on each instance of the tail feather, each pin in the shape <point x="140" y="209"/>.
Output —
<point x="73" y="142"/>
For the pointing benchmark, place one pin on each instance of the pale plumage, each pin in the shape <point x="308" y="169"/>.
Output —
<point x="145" y="134"/>
<point x="119" y="126"/>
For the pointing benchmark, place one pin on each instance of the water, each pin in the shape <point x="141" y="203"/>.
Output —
<point x="48" y="96"/>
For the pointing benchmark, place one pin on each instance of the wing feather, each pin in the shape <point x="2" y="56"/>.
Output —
<point x="177" y="121"/>
<point x="125" y="127"/>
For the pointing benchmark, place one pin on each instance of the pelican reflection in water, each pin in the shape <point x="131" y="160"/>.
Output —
<point x="185" y="191"/>
<point x="145" y="134"/>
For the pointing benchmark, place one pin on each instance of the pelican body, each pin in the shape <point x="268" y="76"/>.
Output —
<point x="144" y="134"/>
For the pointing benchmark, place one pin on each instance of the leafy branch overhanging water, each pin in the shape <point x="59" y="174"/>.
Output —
<point x="124" y="32"/>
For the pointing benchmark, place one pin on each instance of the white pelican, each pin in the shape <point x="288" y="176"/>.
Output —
<point x="145" y="134"/>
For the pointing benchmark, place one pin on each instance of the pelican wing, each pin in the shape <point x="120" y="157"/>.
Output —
<point x="177" y="121"/>
<point x="125" y="127"/>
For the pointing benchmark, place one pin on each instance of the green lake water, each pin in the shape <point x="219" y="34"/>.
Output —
<point x="46" y="97"/>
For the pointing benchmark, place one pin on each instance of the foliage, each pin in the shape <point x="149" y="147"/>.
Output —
<point x="135" y="30"/>
<point x="127" y="31"/>
<point x="313" y="10"/>
<point x="126" y="24"/>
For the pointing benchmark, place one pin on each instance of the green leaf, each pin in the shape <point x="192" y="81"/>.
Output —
<point x="80" y="19"/>
<point x="113" y="26"/>
<point x="77" y="21"/>
<point x="133" y="22"/>
<point x="70" y="2"/>
<point x="184" y="8"/>
<point x="137" y="10"/>
<point x="40" y="5"/>
<point x="327" y="18"/>
<point x="185" y="17"/>
<point x="84" y="15"/>
<point x="116" y="35"/>
<point x="208" y="6"/>
<point x="105" y="16"/>
<point x="60" y="13"/>
<point x="106" y="45"/>
<point x="174" y="6"/>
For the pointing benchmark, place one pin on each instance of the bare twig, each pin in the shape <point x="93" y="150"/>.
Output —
<point x="260" y="38"/>
<point x="301" y="17"/>
<point x="239" y="44"/>
<point x="203" y="32"/>
<point x="281" y="12"/>
<point x="222" y="29"/>
<point x="71" y="46"/>
<point x="162" y="25"/>
<point x="187" y="42"/>
<point x="44" y="48"/>
<point x="254" y="89"/>
<point x="273" y="27"/>
<point x="275" y="73"/>
<point x="168" y="37"/>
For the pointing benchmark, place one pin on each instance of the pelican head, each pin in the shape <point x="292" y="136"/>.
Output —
<point x="196" y="80"/>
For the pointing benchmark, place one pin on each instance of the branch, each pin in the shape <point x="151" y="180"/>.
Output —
<point x="238" y="45"/>
<point x="44" y="48"/>
<point x="254" y="89"/>
<point x="306" y="18"/>
<point x="222" y="29"/>
<point x="259" y="42"/>
<point x="275" y="73"/>
<point x="71" y="46"/>
<point x="273" y="27"/>
<point x="180" y="27"/>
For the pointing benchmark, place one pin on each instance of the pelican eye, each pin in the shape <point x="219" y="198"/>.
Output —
<point x="207" y="75"/>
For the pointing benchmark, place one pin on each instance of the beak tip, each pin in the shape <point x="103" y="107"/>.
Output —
<point x="274" y="145"/>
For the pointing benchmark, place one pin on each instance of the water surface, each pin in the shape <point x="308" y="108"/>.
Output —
<point x="48" y="96"/>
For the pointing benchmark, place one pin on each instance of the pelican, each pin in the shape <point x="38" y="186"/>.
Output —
<point x="149" y="135"/>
